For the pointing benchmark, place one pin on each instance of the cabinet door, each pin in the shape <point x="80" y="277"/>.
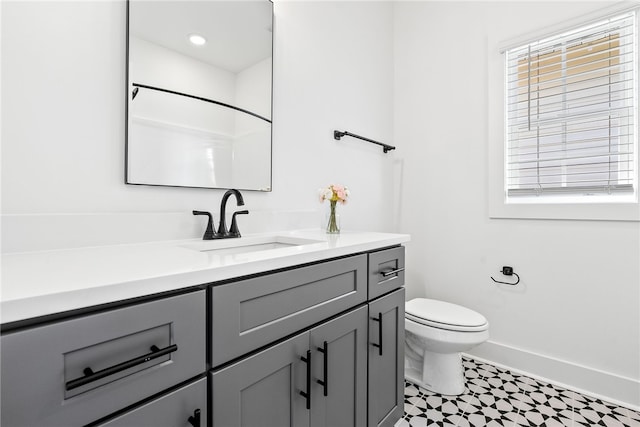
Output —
<point x="263" y="390"/>
<point x="339" y="360"/>
<point x="386" y="359"/>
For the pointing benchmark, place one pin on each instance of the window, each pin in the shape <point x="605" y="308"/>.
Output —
<point x="571" y="115"/>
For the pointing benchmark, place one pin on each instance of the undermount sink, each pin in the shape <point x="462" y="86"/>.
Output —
<point x="247" y="244"/>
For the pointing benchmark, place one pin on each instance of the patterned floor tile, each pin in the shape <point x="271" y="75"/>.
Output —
<point x="412" y="410"/>
<point x="542" y="417"/>
<point x="496" y="397"/>
<point x="410" y="389"/>
<point x="596" y="412"/>
<point x="633" y="418"/>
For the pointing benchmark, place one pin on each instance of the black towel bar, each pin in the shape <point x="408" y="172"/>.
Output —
<point x="385" y="147"/>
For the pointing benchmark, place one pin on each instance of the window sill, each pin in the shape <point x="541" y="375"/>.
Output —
<point x="586" y="210"/>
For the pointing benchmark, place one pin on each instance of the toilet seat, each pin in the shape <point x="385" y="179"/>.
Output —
<point x="444" y="315"/>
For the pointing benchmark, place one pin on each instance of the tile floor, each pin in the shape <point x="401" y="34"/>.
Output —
<point x="498" y="397"/>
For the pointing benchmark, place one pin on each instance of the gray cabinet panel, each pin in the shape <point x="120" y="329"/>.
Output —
<point x="252" y="313"/>
<point x="38" y="365"/>
<point x="171" y="410"/>
<point x="386" y="375"/>
<point x="263" y="389"/>
<point x="346" y="373"/>
<point x="382" y="262"/>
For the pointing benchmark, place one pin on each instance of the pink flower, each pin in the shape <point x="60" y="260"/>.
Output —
<point x="334" y="193"/>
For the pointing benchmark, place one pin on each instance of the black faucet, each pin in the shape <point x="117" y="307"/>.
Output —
<point x="222" y="232"/>
<point x="222" y="227"/>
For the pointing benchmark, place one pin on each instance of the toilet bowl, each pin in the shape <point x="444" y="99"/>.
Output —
<point x="436" y="332"/>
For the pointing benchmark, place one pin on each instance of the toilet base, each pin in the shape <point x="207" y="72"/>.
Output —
<point x="441" y="373"/>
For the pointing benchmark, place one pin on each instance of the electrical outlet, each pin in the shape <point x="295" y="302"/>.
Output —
<point x="507" y="271"/>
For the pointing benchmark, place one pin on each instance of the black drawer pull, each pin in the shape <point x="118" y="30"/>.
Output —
<point x="194" y="420"/>
<point x="307" y="394"/>
<point x="324" y="382"/>
<point x="391" y="272"/>
<point x="379" y="345"/>
<point x="91" y="376"/>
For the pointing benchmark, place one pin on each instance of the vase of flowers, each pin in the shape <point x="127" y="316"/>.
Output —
<point x="334" y="194"/>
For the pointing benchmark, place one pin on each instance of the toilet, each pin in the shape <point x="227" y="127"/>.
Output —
<point x="436" y="332"/>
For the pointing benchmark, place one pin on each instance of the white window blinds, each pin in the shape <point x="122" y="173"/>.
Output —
<point x="570" y="102"/>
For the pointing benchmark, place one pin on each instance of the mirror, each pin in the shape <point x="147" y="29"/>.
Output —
<point x="199" y="115"/>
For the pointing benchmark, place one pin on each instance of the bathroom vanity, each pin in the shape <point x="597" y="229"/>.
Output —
<point x="296" y="329"/>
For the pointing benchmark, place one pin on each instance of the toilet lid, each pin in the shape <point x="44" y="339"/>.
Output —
<point x="446" y="315"/>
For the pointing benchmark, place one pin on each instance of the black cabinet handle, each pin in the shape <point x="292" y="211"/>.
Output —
<point x="194" y="420"/>
<point x="391" y="272"/>
<point x="379" y="320"/>
<point x="307" y="394"/>
<point x="90" y="376"/>
<point x="324" y="382"/>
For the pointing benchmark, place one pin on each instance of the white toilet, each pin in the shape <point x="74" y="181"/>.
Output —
<point x="435" y="334"/>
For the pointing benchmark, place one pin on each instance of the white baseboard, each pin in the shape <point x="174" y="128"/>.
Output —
<point x="603" y="385"/>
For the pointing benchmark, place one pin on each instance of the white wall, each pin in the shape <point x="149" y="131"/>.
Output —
<point x="575" y="316"/>
<point x="63" y="89"/>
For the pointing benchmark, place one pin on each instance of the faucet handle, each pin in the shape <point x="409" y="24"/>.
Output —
<point x="209" y="232"/>
<point x="233" y="231"/>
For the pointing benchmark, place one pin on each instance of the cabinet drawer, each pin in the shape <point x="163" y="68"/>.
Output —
<point x="172" y="410"/>
<point x="83" y="369"/>
<point x="252" y="313"/>
<point x="386" y="271"/>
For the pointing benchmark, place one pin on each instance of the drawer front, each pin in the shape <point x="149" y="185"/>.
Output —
<point x="249" y="314"/>
<point x="386" y="271"/>
<point x="185" y="407"/>
<point x="83" y="369"/>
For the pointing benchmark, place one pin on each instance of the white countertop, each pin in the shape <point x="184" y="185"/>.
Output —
<point x="48" y="282"/>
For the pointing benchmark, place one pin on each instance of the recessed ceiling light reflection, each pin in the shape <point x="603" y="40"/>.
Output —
<point x="197" y="39"/>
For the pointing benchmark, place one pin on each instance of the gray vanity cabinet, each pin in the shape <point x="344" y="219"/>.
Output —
<point x="285" y="384"/>
<point x="355" y="360"/>
<point x="386" y="359"/>
<point x="317" y="345"/>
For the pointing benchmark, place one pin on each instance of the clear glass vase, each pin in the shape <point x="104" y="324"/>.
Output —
<point x="333" y="219"/>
